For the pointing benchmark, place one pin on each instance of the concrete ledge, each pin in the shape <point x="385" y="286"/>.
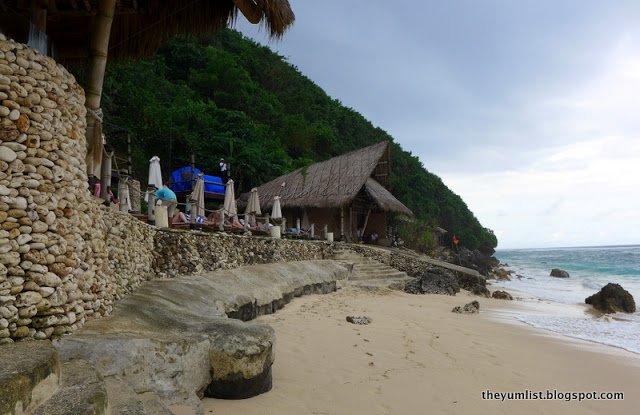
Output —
<point x="29" y="375"/>
<point x="174" y="338"/>
<point x="82" y="392"/>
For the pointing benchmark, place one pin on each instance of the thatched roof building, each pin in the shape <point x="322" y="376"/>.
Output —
<point x="355" y="186"/>
<point x="139" y="27"/>
<point x="93" y="30"/>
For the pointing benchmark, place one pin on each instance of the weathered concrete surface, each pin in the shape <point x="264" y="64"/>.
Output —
<point x="82" y="392"/>
<point x="29" y="375"/>
<point x="124" y="400"/>
<point x="173" y="337"/>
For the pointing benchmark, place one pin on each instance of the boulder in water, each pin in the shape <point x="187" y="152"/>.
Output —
<point x="611" y="299"/>
<point x="559" y="273"/>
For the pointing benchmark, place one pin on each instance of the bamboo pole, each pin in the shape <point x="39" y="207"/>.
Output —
<point x="98" y="50"/>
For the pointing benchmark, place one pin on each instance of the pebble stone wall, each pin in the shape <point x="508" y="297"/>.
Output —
<point x="63" y="257"/>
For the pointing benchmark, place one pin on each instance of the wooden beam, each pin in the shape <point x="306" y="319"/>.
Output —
<point x="99" y="46"/>
<point x="39" y="15"/>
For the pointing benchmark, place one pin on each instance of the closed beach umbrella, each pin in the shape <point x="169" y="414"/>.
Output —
<point x="276" y="212"/>
<point x="305" y="220"/>
<point x="253" y="207"/>
<point x="230" y="208"/>
<point x="197" y="199"/>
<point x="155" y="174"/>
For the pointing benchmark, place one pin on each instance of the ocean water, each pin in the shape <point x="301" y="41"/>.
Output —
<point x="590" y="269"/>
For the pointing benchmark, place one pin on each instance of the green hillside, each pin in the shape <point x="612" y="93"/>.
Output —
<point x="226" y="96"/>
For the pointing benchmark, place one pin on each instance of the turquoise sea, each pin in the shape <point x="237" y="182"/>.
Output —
<point x="590" y="268"/>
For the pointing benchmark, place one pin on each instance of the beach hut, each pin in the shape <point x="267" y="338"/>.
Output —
<point x="349" y="193"/>
<point x="91" y="31"/>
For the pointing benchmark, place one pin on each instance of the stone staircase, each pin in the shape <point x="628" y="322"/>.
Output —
<point x="34" y="381"/>
<point x="369" y="273"/>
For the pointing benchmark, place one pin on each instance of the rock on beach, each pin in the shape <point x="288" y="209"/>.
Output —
<point x="612" y="298"/>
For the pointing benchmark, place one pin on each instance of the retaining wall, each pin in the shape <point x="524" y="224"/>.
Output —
<point x="63" y="257"/>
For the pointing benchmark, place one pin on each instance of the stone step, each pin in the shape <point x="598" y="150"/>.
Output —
<point x="29" y="375"/>
<point x="380" y="276"/>
<point x="82" y="392"/>
<point x="373" y="268"/>
<point x="375" y="284"/>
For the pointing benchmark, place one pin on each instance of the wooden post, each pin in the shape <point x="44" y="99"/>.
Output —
<point x="366" y="220"/>
<point x="99" y="48"/>
<point x="39" y="15"/>
<point x="341" y="223"/>
<point x="129" y="162"/>
<point x="351" y="224"/>
<point x="105" y="175"/>
<point x="151" y="219"/>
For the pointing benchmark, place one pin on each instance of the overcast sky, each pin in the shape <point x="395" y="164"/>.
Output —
<point x="528" y="109"/>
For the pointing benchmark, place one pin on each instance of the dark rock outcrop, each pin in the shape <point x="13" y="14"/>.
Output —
<point x="434" y="283"/>
<point x="481" y="262"/>
<point x="559" y="273"/>
<point x="480" y="290"/>
<point x="501" y="295"/>
<point x="469" y="308"/>
<point x="612" y="298"/>
<point x="501" y="274"/>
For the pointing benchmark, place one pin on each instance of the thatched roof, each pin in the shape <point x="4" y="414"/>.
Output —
<point x="384" y="199"/>
<point x="139" y="27"/>
<point x="336" y="182"/>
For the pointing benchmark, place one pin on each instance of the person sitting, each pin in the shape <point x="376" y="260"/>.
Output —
<point x="179" y="217"/>
<point x="234" y="224"/>
<point x="214" y="218"/>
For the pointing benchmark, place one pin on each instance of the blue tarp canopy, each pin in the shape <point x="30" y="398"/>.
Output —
<point x="184" y="178"/>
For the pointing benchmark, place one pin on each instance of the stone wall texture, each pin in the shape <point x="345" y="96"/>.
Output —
<point x="63" y="257"/>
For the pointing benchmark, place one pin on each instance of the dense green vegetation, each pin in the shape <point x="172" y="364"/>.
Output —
<point x="226" y="96"/>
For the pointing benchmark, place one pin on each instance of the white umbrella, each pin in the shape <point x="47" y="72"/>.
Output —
<point x="253" y="207"/>
<point x="155" y="175"/>
<point x="197" y="199"/>
<point x="230" y="208"/>
<point x="276" y="212"/>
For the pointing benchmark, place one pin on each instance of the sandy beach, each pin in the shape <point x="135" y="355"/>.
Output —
<point x="417" y="357"/>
